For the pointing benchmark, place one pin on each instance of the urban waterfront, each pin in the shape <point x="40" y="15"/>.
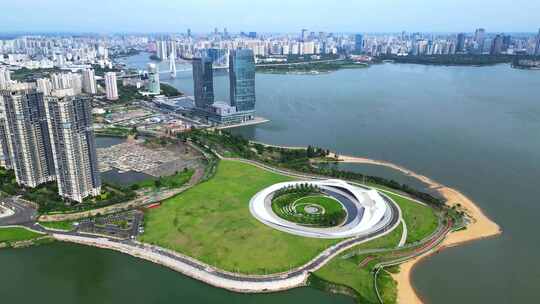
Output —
<point x="474" y="129"/>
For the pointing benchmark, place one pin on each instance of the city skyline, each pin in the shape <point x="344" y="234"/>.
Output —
<point x="348" y="17"/>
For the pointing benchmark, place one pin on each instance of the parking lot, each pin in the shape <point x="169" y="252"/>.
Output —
<point x="125" y="225"/>
<point x="154" y="161"/>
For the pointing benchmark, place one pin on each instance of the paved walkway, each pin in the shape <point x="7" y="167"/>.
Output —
<point x="22" y="212"/>
<point x="403" y="234"/>
<point x="220" y="278"/>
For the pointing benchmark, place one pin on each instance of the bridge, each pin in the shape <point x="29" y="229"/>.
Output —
<point x="216" y="68"/>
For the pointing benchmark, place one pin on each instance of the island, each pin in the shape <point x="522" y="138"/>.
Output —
<point x="516" y="61"/>
<point x="300" y="64"/>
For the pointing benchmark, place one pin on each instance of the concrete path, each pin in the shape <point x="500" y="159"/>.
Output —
<point x="403" y="234"/>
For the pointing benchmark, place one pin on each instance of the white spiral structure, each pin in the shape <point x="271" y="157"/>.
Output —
<point x="368" y="212"/>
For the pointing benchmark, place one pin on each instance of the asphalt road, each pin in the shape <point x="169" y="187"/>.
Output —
<point x="23" y="212"/>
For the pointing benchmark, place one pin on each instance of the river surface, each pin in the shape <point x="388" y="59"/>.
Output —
<point x="474" y="129"/>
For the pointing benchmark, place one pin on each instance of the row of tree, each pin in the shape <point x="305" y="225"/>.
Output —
<point x="303" y="189"/>
<point x="294" y="159"/>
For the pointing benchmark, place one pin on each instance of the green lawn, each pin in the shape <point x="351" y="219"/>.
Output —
<point x="421" y="220"/>
<point x="212" y="222"/>
<point x="329" y="204"/>
<point x="291" y="207"/>
<point x="15" y="234"/>
<point x="347" y="272"/>
<point x="62" y="225"/>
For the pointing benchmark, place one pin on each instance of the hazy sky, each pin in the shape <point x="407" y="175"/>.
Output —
<point x="269" y="16"/>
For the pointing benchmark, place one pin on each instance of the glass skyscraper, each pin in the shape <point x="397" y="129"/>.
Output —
<point x="358" y="42"/>
<point x="203" y="82"/>
<point x="242" y="79"/>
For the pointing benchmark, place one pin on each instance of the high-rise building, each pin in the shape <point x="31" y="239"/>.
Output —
<point x="67" y="81"/>
<point x="111" y="86"/>
<point x="358" y="43"/>
<point x="73" y="146"/>
<point x="44" y="86"/>
<point x="76" y="83"/>
<point x="537" y="48"/>
<point x="242" y="79"/>
<point x="460" y="44"/>
<point x="153" y="79"/>
<point x="303" y="35"/>
<point x="27" y="136"/>
<point x="161" y="49"/>
<point x="479" y="38"/>
<point x="203" y="82"/>
<point x="5" y="158"/>
<point x="507" y="40"/>
<point x="5" y="78"/>
<point x="89" y="81"/>
<point x="497" y="45"/>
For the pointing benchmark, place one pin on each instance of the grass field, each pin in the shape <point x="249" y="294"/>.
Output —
<point x="329" y="204"/>
<point x="347" y="272"/>
<point x="17" y="234"/>
<point x="63" y="225"/>
<point x="212" y="222"/>
<point x="421" y="220"/>
<point x="291" y="207"/>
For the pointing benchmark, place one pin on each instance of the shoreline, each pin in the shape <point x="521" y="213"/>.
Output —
<point x="480" y="227"/>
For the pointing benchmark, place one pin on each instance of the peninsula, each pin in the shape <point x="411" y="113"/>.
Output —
<point x="335" y="230"/>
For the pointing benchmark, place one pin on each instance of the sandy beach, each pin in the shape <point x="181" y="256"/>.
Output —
<point x="480" y="227"/>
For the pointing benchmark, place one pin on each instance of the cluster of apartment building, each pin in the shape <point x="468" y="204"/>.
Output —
<point x="46" y="138"/>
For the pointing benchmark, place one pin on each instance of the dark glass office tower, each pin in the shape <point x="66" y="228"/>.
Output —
<point x="460" y="46"/>
<point x="358" y="43"/>
<point x="242" y="79"/>
<point x="203" y="82"/>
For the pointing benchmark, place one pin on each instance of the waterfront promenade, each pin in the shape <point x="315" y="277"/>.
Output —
<point x="217" y="277"/>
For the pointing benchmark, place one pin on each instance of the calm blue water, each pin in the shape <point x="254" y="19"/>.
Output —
<point x="475" y="129"/>
<point x="68" y="273"/>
